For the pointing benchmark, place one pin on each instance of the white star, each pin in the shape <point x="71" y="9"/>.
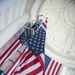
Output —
<point x="36" y="48"/>
<point x="42" y="40"/>
<point x="42" y="46"/>
<point x="35" y="38"/>
<point x="39" y="39"/>
<point x="31" y="39"/>
<point x="30" y="42"/>
<point x="43" y="37"/>
<point x="36" y="52"/>
<point x="37" y="45"/>
<point x="35" y="41"/>
<point x="40" y="31"/>
<point x="38" y="42"/>
<point x="39" y="36"/>
<point x="36" y="35"/>
<point x="32" y="47"/>
<point x="34" y="44"/>
<point x="42" y="43"/>
<point x="41" y="49"/>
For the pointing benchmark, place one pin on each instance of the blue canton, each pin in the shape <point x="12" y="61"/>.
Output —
<point x="37" y="42"/>
<point x="23" y="38"/>
<point x="47" y="61"/>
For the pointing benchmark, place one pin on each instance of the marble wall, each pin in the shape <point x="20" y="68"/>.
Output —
<point x="60" y="41"/>
<point x="13" y="16"/>
<point x="61" y="25"/>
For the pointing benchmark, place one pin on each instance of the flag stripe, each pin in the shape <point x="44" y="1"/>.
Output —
<point x="7" y="50"/>
<point x="58" y="69"/>
<point x="27" y="65"/>
<point x="28" y="57"/>
<point x="30" y="69"/>
<point x="17" y="46"/>
<point x="50" y="67"/>
<point x="11" y="69"/>
<point x="23" y="57"/>
<point x="54" y="68"/>
<point x="36" y="71"/>
<point x="32" y="62"/>
<point x="45" y="25"/>
<point x="41" y="61"/>
<point x="40" y="73"/>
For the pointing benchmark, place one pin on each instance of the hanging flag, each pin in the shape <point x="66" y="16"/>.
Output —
<point x="14" y="47"/>
<point x="33" y="62"/>
<point x="11" y="69"/>
<point x="30" y="65"/>
<point x="52" y="67"/>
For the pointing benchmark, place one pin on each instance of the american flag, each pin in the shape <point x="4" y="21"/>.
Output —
<point x="12" y="49"/>
<point x="12" y="68"/>
<point x="15" y="46"/>
<point x="52" y="67"/>
<point x="33" y="62"/>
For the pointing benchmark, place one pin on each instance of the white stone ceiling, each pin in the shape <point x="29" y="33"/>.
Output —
<point x="61" y="26"/>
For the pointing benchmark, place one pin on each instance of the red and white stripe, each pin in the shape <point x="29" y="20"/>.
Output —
<point x="15" y="46"/>
<point x="30" y="65"/>
<point x="53" y="68"/>
<point x="45" y="24"/>
<point x="11" y="69"/>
